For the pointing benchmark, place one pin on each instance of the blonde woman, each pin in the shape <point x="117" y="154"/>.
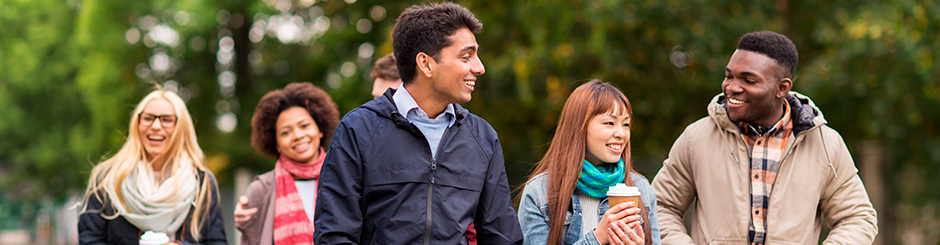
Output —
<point x="157" y="181"/>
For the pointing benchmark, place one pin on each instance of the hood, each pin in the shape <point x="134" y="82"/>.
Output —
<point x="803" y="111"/>
<point x="385" y="107"/>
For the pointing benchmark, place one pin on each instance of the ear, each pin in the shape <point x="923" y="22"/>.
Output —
<point x="425" y="64"/>
<point x="783" y="87"/>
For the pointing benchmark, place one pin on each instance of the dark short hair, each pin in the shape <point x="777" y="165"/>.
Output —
<point x="316" y="101"/>
<point x="425" y="28"/>
<point x="777" y="47"/>
<point x="385" y="68"/>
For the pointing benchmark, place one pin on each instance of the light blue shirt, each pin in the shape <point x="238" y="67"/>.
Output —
<point x="307" y="197"/>
<point x="432" y="128"/>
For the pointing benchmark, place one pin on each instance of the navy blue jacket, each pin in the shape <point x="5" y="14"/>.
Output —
<point x="95" y="229"/>
<point x="380" y="185"/>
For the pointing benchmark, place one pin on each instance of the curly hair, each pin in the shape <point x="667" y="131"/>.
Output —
<point x="385" y="68"/>
<point x="316" y="101"/>
<point x="776" y="46"/>
<point x="425" y="28"/>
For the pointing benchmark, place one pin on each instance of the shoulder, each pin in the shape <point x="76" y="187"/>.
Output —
<point x="479" y="129"/>
<point x="643" y="184"/>
<point x="207" y="174"/>
<point x="261" y="185"/>
<point x="537" y="183"/>
<point x="700" y="126"/>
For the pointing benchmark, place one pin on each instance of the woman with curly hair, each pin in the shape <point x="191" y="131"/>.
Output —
<point x="158" y="181"/>
<point x="293" y="125"/>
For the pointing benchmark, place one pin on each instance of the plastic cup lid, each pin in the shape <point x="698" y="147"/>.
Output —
<point x="623" y="190"/>
<point x="154" y="237"/>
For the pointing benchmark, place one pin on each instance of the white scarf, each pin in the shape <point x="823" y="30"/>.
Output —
<point x="158" y="207"/>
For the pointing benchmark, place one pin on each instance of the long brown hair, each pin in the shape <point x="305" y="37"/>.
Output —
<point x="566" y="152"/>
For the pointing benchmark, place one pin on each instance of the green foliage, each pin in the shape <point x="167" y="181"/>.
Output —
<point x="71" y="72"/>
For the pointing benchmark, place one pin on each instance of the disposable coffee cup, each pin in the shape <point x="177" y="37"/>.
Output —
<point x="621" y="193"/>
<point x="154" y="238"/>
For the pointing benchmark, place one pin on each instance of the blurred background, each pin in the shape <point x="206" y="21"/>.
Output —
<point x="71" y="72"/>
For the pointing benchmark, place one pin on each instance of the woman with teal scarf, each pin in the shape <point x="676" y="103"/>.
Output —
<point x="589" y="153"/>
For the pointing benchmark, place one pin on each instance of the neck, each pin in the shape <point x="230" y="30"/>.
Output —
<point x="778" y="115"/>
<point x="426" y="99"/>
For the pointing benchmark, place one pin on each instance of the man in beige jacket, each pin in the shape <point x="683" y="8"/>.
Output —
<point x="762" y="168"/>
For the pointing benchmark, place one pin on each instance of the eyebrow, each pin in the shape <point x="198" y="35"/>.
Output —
<point x="615" y="117"/>
<point x="288" y="125"/>
<point x="468" y="48"/>
<point x="746" y="73"/>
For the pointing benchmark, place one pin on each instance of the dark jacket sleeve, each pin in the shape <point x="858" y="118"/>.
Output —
<point x="214" y="231"/>
<point x="496" y="221"/>
<point x="338" y="217"/>
<point x="92" y="228"/>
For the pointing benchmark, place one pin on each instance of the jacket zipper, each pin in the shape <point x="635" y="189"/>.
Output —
<point x="372" y="240"/>
<point x="427" y="230"/>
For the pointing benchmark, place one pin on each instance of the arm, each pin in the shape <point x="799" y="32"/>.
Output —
<point x="654" y="221"/>
<point x="675" y="190"/>
<point x="338" y="217"/>
<point x="92" y="228"/>
<point x="533" y="223"/>
<point x="496" y="221"/>
<point x="845" y="204"/>
<point x="256" y="196"/>
<point x="213" y="233"/>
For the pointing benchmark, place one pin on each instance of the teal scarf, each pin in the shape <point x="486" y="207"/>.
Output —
<point x="595" y="182"/>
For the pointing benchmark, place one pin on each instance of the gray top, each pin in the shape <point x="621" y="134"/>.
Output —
<point x="589" y="205"/>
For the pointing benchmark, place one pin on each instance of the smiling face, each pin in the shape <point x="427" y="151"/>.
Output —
<point x="607" y="136"/>
<point x="754" y="89"/>
<point x="455" y="73"/>
<point x="298" y="136"/>
<point x="155" y="125"/>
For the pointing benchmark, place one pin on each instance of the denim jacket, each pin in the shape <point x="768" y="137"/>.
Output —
<point x="534" y="220"/>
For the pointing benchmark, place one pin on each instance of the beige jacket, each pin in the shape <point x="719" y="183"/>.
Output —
<point x="817" y="183"/>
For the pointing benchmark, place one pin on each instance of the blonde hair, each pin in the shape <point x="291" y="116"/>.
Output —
<point x="109" y="174"/>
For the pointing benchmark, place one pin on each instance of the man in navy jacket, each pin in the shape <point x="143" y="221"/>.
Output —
<point x="413" y="166"/>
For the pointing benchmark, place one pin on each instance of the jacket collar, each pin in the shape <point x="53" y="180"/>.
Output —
<point x="386" y="107"/>
<point x="804" y="113"/>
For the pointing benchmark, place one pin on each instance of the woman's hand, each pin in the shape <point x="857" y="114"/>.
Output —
<point x="624" y="212"/>
<point x="620" y="233"/>
<point x="242" y="215"/>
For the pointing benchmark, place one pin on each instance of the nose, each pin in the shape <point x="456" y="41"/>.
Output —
<point x="733" y="86"/>
<point x="619" y="132"/>
<point x="156" y="124"/>
<point x="477" y="67"/>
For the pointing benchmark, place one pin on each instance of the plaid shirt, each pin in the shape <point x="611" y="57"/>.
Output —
<point x="765" y="149"/>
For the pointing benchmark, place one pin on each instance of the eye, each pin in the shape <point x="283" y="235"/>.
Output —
<point x="609" y="123"/>
<point x="728" y="77"/>
<point x="626" y="125"/>
<point x="750" y="81"/>
<point x="305" y="125"/>
<point x="285" y="132"/>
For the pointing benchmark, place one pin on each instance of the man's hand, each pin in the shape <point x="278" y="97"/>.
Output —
<point x="242" y="215"/>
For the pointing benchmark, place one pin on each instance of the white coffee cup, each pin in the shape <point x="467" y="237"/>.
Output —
<point x="154" y="238"/>
<point x="621" y="193"/>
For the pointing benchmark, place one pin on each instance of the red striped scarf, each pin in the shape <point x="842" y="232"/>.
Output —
<point x="291" y="225"/>
<point x="765" y="150"/>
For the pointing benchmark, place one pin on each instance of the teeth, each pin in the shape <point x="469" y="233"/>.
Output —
<point x="301" y="145"/>
<point x="615" y="147"/>
<point x="156" y="138"/>
<point x="735" y="101"/>
<point x="471" y="83"/>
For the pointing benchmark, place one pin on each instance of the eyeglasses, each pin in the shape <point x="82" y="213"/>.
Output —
<point x="147" y="119"/>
